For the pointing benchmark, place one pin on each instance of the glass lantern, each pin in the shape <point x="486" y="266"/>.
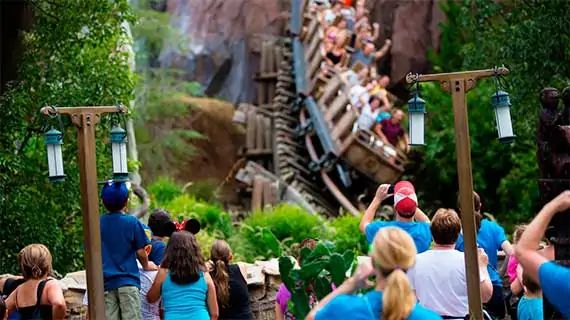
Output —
<point x="416" y="123"/>
<point x="119" y="149"/>
<point x="54" y="141"/>
<point x="502" y="105"/>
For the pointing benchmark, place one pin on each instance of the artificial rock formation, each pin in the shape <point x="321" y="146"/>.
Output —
<point x="413" y="27"/>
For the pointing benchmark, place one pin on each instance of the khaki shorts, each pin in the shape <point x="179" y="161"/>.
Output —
<point x="123" y="304"/>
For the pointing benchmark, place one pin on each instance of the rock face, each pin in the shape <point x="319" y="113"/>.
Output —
<point x="413" y="27"/>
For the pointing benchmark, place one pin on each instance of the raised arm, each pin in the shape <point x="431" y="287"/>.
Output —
<point x="382" y="52"/>
<point x="420" y="216"/>
<point x="368" y="217"/>
<point x="527" y="255"/>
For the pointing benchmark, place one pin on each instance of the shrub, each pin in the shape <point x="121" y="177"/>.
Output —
<point x="202" y="190"/>
<point x="163" y="190"/>
<point x="347" y="236"/>
<point x="212" y="218"/>
<point x="268" y="233"/>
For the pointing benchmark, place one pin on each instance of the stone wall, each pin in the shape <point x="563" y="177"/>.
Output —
<point x="262" y="278"/>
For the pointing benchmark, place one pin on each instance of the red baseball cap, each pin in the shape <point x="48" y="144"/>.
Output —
<point x="405" y="199"/>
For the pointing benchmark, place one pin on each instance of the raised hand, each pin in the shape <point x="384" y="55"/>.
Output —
<point x="361" y="275"/>
<point x="382" y="192"/>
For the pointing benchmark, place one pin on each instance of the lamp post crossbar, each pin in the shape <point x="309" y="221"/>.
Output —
<point x="86" y="119"/>
<point x="458" y="84"/>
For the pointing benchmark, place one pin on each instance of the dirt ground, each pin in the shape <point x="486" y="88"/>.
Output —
<point x="216" y="154"/>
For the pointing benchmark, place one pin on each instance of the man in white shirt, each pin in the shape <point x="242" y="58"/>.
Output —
<point x="439" y="277"/>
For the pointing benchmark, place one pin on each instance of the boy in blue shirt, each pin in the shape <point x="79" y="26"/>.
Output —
<point x="553" y="278"/>
<point x="123" y="241"/>
<point x="408" y="216"/>
<point x="530" y="305"/>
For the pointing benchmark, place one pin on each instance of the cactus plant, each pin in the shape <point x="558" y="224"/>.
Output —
<point x="320" y="269"/>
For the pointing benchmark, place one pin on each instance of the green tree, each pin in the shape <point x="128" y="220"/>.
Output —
<point x="480" y="34"/>
<point x="70" y="58"/>
<point x="161" y="138"/>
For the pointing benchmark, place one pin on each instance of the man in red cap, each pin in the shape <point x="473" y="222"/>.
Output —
<point x="408" y="216"/>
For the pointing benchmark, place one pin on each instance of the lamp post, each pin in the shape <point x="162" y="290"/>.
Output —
<point x="459" y="83"/>
<point x="85" y="119"/>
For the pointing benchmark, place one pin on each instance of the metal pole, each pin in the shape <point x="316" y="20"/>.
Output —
<point x="86" y="123"/>
<point x="463" y="152"/>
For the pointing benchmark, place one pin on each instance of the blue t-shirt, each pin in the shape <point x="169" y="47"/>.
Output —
<point x="555" y="283"/>
<point x="121" y="236"/>
<point x="186" y="301"/>
<point x="530" y="309"/>
<point x="157" y="252"/>
<point x="382" y="116"/>
<point x="419" y="231"/>
<point x="490" y="238"/>
<point x="360" y="56"/>
<point x="366" y="307"/>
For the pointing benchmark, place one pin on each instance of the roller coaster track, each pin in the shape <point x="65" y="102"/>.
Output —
<point x="300" y="144"/>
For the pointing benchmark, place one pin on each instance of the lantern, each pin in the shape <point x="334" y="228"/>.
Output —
<point x="53" y="141"/>
<point x="416" y="123"/>
<point x="502" y="105"/>
<point x="119" y="149"/>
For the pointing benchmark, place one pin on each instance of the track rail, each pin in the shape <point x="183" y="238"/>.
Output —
<point x="312" y="157"/>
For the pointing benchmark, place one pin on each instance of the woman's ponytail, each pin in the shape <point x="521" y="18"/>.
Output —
<point x="398" y="299"/>
<point x="221" y="281"/>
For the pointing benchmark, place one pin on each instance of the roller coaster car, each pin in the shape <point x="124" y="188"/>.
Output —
<point x="332" y="117"/>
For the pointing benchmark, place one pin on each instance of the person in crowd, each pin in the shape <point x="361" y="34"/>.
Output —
<point x="40" y="296"/>
<point x="337" y="54"/>
<point x="392" y="298"/>
<point x="123" y="241"/>
<point x="230" y="283"/>
<point x="187" y="290"/>
<point x="530" y="305"/>
<point x="491" y="238"/>
<point x="356" y="75"/>
<point x="368" y="114"/>
<point x="159" y="223"/>
<point x="2" y="308"/>
<point x="328" y="15"/>
<point x="391" y="131"/>
<point x="367" y="53"/>
<point x="7" y="286"/>
<point x="359" y="96"/>
<point x="379" y="86"/>
<point x="512" y="263"/>
<point x="554" y="279"/>
<point x="439" y="277"/>
<point x="283" y="296"/>
<point x="385" y="112"/>
<point x="149" y="311"/>
<point x="406" y="208"/>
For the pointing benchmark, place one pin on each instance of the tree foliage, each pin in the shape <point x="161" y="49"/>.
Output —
<point x="160" y="94"/>
<point x="530" y="38"/>
<point x="70" y="58"/>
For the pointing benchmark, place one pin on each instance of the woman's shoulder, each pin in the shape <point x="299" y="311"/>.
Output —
<point x="358" y="306"/>
<point x="421" y="313"/>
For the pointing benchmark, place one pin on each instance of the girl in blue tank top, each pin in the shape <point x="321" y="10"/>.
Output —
<point x="187" y="291"/>
<point x="393" y="298"/>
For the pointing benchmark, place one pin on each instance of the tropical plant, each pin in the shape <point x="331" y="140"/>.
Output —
<point x="320" y="269"/>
